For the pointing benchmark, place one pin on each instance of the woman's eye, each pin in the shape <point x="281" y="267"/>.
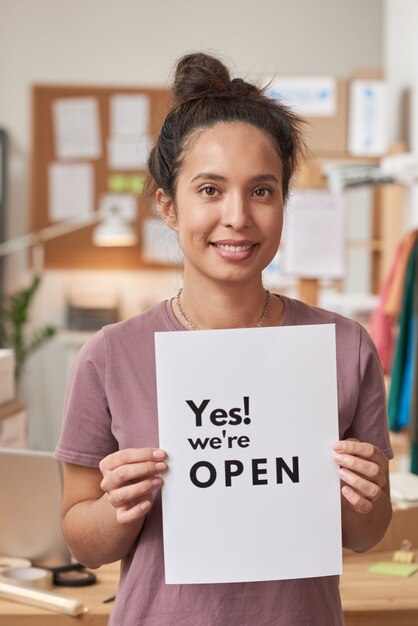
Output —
<point x="208" y="190"/>
<point x="261" y="192"/>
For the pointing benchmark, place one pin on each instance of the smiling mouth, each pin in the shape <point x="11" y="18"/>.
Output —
<point x="233" y="252"/>
<point x="234" y="247"/>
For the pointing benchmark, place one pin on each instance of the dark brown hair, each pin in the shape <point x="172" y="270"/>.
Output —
<point x="205" y="95"/>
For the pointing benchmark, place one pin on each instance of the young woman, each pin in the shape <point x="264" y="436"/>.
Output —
<point x="221" y="166"/>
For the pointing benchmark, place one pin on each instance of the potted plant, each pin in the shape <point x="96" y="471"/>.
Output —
<point x="14" y="317"/>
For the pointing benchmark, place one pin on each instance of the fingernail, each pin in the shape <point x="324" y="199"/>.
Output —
<point x="156" y="482"/>
<point x="145" y="505"/>
<point x="160" y="466"/>
<point x="338" y="446"/>
<point x="158" y="454"/>
<point x="338" y="458"/>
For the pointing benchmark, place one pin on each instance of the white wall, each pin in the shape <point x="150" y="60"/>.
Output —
<point x="401" y="68"/>
<point x="137" y="42"/>
<point x="400" y="59"/>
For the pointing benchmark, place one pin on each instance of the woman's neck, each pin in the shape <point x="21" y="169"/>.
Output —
<point x="207" y="307"/>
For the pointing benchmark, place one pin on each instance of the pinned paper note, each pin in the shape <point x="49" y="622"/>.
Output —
<point x="368" y="125"/>
<point x="128" y="153"/>
<point x="129" y="143"/>
<point x="129" y="115"/>
<point x="71" y="190"/>
<point x="159" y="243"/>
<point x="248" y="418"/>
<point x="130" y="183"/>
<point x="310" y="96"/>
<point x="314" y="240"/>
<point x="393" y="569"/>
<point x="76" y="128"/>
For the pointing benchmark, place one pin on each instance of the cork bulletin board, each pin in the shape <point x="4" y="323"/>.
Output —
<point x="75" y="250"/>
<point x="327" y="136"/>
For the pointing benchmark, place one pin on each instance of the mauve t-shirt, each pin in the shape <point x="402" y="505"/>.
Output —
<point x="111" y="404"/>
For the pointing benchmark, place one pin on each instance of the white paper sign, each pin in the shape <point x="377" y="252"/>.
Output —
<point x="76" y="128"/>
<point x="248" y="418"/>
<point x="315" y="235"/>
<point x="311" y="96"/>
<point x="368" y="127"/>
<point x="71" y="190"/>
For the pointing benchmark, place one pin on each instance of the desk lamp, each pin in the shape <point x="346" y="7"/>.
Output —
<point x="111" y="231"/>
<point x="114" y="231"/>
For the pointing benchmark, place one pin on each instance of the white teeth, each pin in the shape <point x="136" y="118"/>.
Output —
<point x="223" y="246"/>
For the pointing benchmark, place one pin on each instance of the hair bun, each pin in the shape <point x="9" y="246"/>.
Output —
<point x="240" y="87"/>
<point x="199" y="75"/>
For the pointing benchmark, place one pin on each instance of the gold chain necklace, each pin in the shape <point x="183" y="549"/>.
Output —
<point x="193" y="326"/>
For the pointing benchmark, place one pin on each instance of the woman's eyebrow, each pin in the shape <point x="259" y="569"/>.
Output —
<point x="211" y="176"/>
<point x="208" y="176"/>
<point x="263" y="177"/>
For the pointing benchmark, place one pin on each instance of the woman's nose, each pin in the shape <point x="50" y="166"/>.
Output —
<point x="236" y="211"/>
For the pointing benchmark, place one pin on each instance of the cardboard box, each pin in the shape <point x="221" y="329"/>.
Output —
<point x="13" y="425"/>
<point x="327" y="136"/>
<point x="7" y="381"/>
<point x="404" y="525"/>
<point x="325" y="131"/>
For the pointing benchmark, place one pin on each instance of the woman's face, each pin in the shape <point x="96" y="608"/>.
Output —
<point x="228" y="207"/>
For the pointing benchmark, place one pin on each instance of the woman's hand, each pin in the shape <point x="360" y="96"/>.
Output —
<point x="363" y="472"/>
<point x="130" y="477"/>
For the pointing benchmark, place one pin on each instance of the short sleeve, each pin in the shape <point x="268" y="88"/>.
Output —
<point x="370" y="422"/>
<point x="86" y="435"/>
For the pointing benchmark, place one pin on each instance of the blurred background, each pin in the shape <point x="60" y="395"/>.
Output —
<point x="83" y="89"/>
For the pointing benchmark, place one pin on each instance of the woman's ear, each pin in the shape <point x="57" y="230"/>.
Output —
<point x="167" y="208"/>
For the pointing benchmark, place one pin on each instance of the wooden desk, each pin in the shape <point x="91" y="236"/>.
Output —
<point x="14" y="614"/>
<point x="367" y="599"/>
<point x="373" y="600"/>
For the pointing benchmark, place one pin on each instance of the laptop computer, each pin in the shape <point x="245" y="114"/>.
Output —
<point x="30" y="503"/>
